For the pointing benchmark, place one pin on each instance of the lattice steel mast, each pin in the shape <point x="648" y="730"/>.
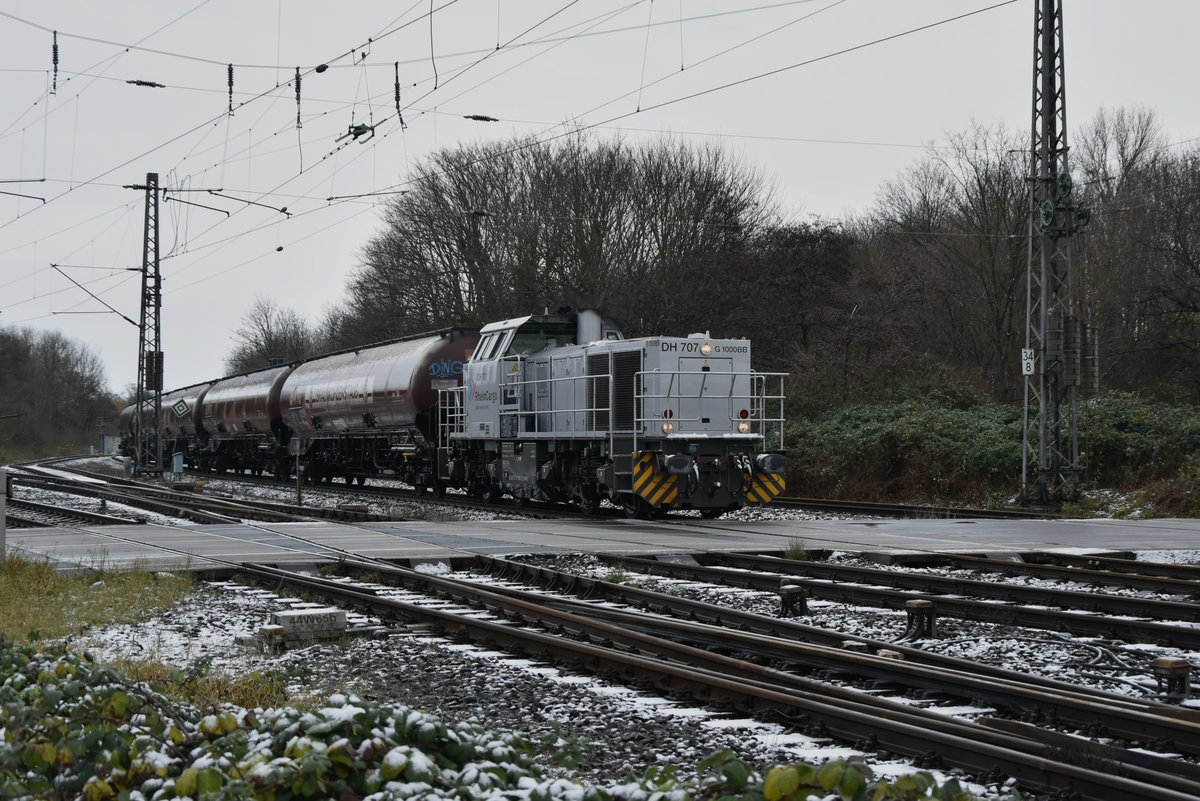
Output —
<point x="150" y="362"/>
<point x="1053" y="361"/>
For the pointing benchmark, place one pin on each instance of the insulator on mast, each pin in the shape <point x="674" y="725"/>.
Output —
<point x="298" y="123"/>
<point x="231" y="89"/>
<point x="399" y="115"/>
<point x="54" y="59"/>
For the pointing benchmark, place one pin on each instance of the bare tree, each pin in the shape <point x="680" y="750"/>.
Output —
<point x="270" y="332"/>
<point x="488" y="231"/>
<point x="961" y="221"/>
<point x="52" y="390"/>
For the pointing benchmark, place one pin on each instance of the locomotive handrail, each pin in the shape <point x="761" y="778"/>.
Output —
<point x="764" y="407"/>
<point x="522" y="412"/>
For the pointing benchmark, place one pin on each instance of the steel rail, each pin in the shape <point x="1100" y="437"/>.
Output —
<point x="946" y="585"/>
<point x="1121" y="717"/>
<point x="905" y="731"/>
<point x="727" y="617"/>
<point x="70" y="515"/>
<point x="191" y="505"/>
<point x="907" y="510"/>
<point x="1079" y="574"/>
<point x="1119" y="565"/>
<point x="987" y="611"/>
<point x="537" y="509"/>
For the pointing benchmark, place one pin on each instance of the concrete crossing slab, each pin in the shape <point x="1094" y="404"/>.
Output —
<point x="207" y="546"/>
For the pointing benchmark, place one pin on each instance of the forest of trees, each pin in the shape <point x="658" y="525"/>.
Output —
<point x="52" y="394"/>
<point x="924" y="288"/>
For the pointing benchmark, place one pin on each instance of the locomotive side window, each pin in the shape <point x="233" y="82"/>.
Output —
<point x="487" y="347"/>
<point x="526" y="342"/>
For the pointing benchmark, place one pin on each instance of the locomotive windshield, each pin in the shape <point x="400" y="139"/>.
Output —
<point x="530" y="336"/>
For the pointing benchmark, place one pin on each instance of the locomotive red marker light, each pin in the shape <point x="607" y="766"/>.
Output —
<point x="743" y="414"/>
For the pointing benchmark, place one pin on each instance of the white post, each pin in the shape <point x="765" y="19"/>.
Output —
<point x="3" y="509"/>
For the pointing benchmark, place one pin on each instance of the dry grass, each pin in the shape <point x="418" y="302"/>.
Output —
<point x="37" y="603"/>
<point x="209" y="690"/>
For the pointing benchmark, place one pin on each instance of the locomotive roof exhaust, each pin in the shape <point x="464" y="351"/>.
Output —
<point x="587" y="326"/>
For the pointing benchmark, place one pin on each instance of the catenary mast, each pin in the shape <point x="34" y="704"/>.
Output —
<point x="1059" y="359"/>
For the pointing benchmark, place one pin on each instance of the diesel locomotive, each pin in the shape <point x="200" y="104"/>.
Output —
<point x="551" y="407"/>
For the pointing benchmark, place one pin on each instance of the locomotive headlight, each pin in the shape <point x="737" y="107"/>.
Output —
<point x="668" y="427"/>
<point x="743" y="427"/>
<point x="706" y="348"/>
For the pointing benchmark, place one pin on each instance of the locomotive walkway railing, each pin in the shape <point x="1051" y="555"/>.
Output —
<point x="672" y="404"/>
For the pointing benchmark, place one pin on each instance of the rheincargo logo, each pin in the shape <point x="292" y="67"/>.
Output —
<point x="445" y="369"/>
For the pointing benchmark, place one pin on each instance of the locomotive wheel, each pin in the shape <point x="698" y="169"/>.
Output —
<point x="362" y="480"/>
<point x="635" y="508"/>
<point x="493" y="493"/>
<point x="712" y="512"/>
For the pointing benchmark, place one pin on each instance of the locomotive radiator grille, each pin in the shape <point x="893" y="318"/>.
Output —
<point x="658" y="488"/>
<point x="762" y="488"/>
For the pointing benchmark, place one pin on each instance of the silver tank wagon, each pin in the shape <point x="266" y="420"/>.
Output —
<point x="243" y="418"/>
<point x="373" y="410"/>
<point x="384" y="387"/>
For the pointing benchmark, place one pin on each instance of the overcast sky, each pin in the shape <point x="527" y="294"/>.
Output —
<point x="825" y="134"/>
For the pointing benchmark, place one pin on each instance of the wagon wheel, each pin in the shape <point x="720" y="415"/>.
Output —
<point x="439" y="489"/>
<point x="588" y="504"/>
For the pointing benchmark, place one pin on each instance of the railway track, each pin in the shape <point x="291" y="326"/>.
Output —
<point x="1094" y="571"/>
<point x="1027" y="606"/>
<point x="197" y="507"/>
<point x="33" y="514"/>
<point x="632" y="650"/>
<point x="794" y="646"/>
<point x="542" y="510"/>
<point x="394" y="493"/>
<point x="922" y="511"/>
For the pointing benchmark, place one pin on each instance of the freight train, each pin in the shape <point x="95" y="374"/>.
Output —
<point x="552" y="407"/>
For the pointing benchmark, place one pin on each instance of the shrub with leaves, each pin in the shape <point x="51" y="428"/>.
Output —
<point x="74" y="729"/>
<point x="951" y="448"/>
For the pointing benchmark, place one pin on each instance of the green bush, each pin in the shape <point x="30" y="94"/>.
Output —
<point x="944" y="447"/>
<point x="1129" y="441"/>
<point x="72" y="729"/>
<point x="917" y="449"/>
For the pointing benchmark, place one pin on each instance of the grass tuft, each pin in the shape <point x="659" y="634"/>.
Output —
<point x="207" y="689"/>
<point x="37" y="602"/>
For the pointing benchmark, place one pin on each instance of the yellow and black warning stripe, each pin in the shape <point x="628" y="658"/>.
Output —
<point x="658" y="488"/>
<point x="762" y="488"/>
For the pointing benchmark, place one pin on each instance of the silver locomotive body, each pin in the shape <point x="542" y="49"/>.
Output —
<point x="561" y="408"/>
